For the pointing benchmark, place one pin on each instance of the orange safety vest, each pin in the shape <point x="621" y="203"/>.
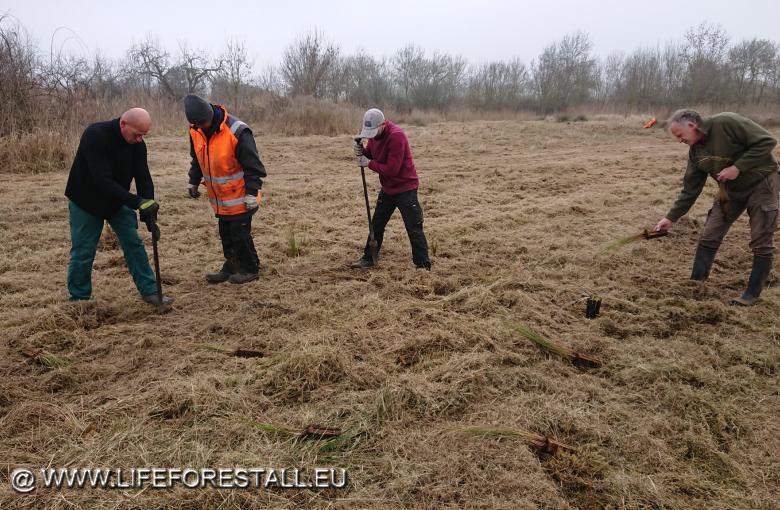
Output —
<point x="223" y="175"/>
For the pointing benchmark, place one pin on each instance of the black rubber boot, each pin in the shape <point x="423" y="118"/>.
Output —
<point x="756" y="282"/>
<point x="240" y="278"/>
<point x="230" y="267"/>
<point x="152" y="299"/>
<point x="362" y="263"/>
<point x="702" y="263"/>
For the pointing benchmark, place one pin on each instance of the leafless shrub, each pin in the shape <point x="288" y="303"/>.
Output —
<point x="307" y="64"/>
<point x="233" y="75"/>
<point x="18" y="81"/>
<point x="148" y="59"/>
<point x="565" y="73"/>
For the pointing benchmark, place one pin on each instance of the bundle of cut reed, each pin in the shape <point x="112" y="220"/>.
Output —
<point x="544" y="443"/>
<point x="46" y="359"/>
<point x="241" y="353"/>
<point x="577" y="358"/>
<point x="645" y="234"/>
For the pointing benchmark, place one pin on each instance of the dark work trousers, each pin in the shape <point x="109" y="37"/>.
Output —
<point x="412" y="214"/>
<point x="238" y="246"/>
<point x="761" y="205"/>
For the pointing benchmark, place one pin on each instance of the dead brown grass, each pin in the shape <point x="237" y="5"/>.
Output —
<point x="36" y="152"/>
<point x="683" y="415"/>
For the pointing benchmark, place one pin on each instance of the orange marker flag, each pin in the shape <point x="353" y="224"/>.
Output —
<point x="650" y="123"/>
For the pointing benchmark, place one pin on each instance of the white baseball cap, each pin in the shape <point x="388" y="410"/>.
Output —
<point x="372" y="119"/>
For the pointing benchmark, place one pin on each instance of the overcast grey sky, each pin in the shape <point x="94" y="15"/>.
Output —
<point x="479" y="30"/>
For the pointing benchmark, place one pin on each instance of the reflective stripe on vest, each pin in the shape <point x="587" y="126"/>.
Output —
<point x="223" y="180"/>
<point x="237" y="125"/>
<point x="228" y="203"/>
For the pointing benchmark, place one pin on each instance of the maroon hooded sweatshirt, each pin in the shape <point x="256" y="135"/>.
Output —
<point x="391" y="158"/>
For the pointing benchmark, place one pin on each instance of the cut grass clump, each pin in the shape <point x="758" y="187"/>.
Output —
<point x="578" y="359"/>
<point x="46" y="359"/>
<point x="52" y="361"/>
<point x="413" y="402"/>
<point x="327" y="444"/>
<point x="238" y="352"/>
<point x="544" y="443"/>
<point x="273" y="429"/>
<point x="297" y="374"/>
<point x="312" y="431"/>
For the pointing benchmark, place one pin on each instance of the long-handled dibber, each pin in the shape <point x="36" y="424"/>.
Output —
<point x="155" y="238"/>
<point x="371" y="239"/>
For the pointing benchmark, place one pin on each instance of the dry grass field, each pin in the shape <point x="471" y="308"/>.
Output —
<point x="683" y="412"/>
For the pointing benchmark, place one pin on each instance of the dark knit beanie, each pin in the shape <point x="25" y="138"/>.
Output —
<point x="197" y="109"/>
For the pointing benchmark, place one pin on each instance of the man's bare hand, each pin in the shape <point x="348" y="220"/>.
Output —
<point x="728" y="174"/>
<point x="663" y="225"/>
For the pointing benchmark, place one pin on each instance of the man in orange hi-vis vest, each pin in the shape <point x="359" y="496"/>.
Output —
<point x="225" y="159"/>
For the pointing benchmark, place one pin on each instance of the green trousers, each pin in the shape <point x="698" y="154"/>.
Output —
<point x="85" y="230"/>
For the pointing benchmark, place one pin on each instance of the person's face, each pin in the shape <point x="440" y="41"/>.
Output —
<point x="203" y="125"/>
<point x="686" y="132"/>
<point x="133" y="133"/>
<point x="381" y="129"/>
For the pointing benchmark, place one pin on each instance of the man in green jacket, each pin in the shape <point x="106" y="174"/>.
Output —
<point x="737" y="153"/>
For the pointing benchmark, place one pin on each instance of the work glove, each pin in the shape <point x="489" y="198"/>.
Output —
<point x="358" y="149"/>
<point x="251" y="202"/>
<point x="192" y="189"/>
<point x="148" y="214"/>
<point x="363" y="161"/>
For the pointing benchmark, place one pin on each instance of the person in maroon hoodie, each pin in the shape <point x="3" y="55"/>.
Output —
<point x="388" y="154"/>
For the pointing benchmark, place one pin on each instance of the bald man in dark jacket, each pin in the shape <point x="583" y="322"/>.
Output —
<point x="110" y="156"/>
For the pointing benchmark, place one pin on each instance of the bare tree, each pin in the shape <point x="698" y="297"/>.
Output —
<point x="269" y="80"/>
<point x="610" y="77"/>
<point x="642" y="78"/>
<point x="18" y="82"/>
<point x="407" y="63"/>
<point x="369" y="81"/>
<point x="67" y="76"/>
<point x="148" y="58"/>
<point x="308" y="63"/>
<point x="439" y="83"/>
<point x="337" y="82"/>
<point x="673" y="72"/>
<point x="751" y="64"/>
<point x="425" y="82"/>
<point x="196" y="67"/>
<point x="235" y="70"/>
<point x="773" y="77"/>
<point x="565" y="73"/>
<point x="704" y="53"/>
<point x="498" y="85"/>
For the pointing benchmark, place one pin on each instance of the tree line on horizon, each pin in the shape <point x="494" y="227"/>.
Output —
<point x="704" y="67"/>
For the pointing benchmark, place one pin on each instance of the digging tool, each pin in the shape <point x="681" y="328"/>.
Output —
<point x="371" y="239"/>
<point x="155" y="238"/>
